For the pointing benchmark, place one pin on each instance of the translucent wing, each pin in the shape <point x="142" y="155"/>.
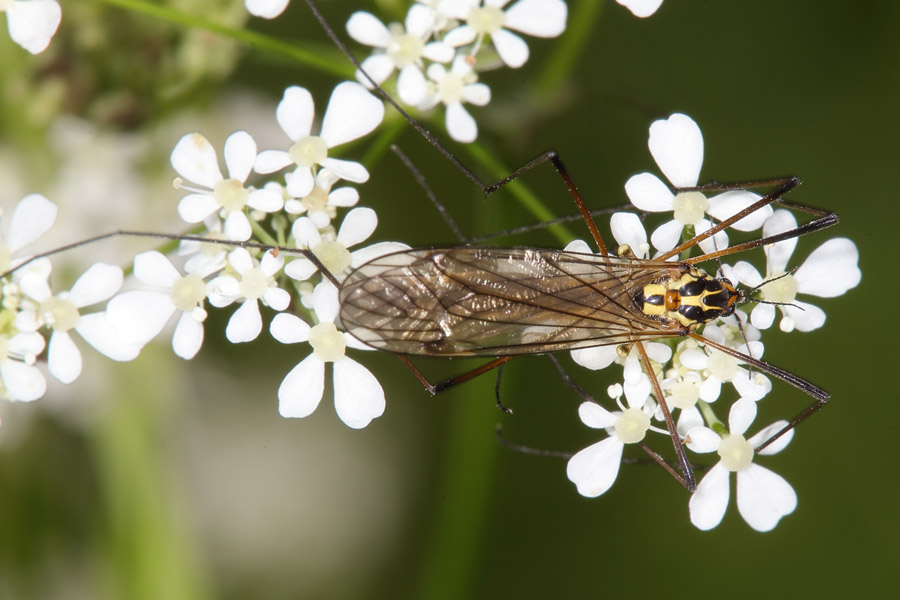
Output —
<point x="472" y="301"/>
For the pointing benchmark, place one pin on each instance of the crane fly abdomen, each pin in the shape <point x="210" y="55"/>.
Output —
<point x="482" y="301"/>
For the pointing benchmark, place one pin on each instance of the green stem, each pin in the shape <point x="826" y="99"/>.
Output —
<point x="712" y="421"/>
<point x="317" y="56"/>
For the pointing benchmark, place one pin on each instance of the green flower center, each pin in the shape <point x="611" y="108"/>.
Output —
<point x="405" y="49"/>
<point x="487" y="19"/>
<point x="60" y="313"/>
<point x="632" y="426"/>
<point x="309" y="151"/>
<point x="450" y="88"/>
<point x="188" y="292"/>
<point x="231" y="195"/>
<point x="328" y="343"/>
<point x="334" y="255"/>
<point x="736" y="453"/>
<point x="783" y="289"/>
<point x="316" y="201"/>
<point x="722" y="366"/>
<point x="684" y="395"/>
<point x="254" y="284"/>
<point x="690" y="207"/>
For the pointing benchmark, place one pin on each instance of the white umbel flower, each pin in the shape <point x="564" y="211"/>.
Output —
<point x="321" y="203"/>
<point x="32" y="23"/>
<point x="763" y="497"/>
<point x="358" y="397"/>
<point x="400" y="48"/>
<point x="195" y="159"/>
<point x="352" y="113"/>
<point x="676" y="145"/>
<point x="61" y="314"/>
<point x="829" y="271"/>
<point x="594" y="469"/>
<point x="140" y="315"/>
<point x="257" y="284"/>
<point x="452" y="88"/>
<point x="538" y="18"/>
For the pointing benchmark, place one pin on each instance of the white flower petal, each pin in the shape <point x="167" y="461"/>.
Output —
<point x="301" y="390"/>
<point x="752" y="387"/>
<point x="345" y="169"/>
<point x="764" y="497"/>
<point x="96" y="284"/>
<point x="540" y="18"/>
<point x="300" y="269"/>
<point x="140" y="315"/>
<point x="460" y="124"/>
<point x="762" y="316"/>
<point x="830" y="270"/>
<point x="266" y="9"/>
<point x="153" y="268"/>
<point x="648" y="192"/>
<point x="97" y="331"/>
<point x="366" y="29"/>
<point x="364" y="255"/>
<point x="512" y="49"/>
<point x="595" y="358"/>
<point x="31" y="219"/>
<point x="779" y="254"/>
<point x="741" y="416"/>
<point x="778" y="445"/>
<point x="266" y="200"/>
<point x="478" y="94"/>
<point x="805" y="316"/>
<point x="358" y="397"/>
<point x="32" y="24"/>
<point x="703" y="440"/>
<point x="194" y="208"/>
<point x="411" y="85"/>
<point x="23" y="383"/>
<point x="245" y="324"/>
<point x="237" y="227"/>
<point x="627" y="229"/>
<point x="188" y="336"/>
<point x="352" y="113"/>
<point x="710" y="499"/>
<point x="730" y="203"/>
<point x="269" y="161"/>
<point x="289" y="329"/>
<point x="641" y="8"/>
<point x="295" y="113"/>
<point x="595" y="416"/>
<point x="277" y="298"/>
<point x="378" y="66"/>
<point x="325" y="302"/>
<point x="579" y="246"/>
<point x="441" y="52"/>
<point x="357" y="226"/>
<point x="594" y="469"/>
<point x="677" y="147"/>
<point x="343" y="197"/>
<point x="194" y="158"/>
<point x="240" y="154"/>
<point x="666" y="236"/>
<point x="241" y="260"/>
<point x="63" y="357"/>
<point x="747" y="274"/>
<point x="419" y="20"/>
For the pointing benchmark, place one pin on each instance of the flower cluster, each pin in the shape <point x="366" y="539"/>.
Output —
<point x="442" y="44"/>
<point x="301" y="196"/>
<point x="692" y="374"/>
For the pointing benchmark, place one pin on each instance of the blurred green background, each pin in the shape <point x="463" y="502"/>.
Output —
<point x="166" y="479"/>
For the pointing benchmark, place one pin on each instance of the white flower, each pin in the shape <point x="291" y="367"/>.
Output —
<point x="266" y="9"/>
<point x="319" y="205"/>
<point x="352" y="113"/>
<point x="594" y="469"/>
<point x="677" y="147"/>
<point x="358" y="397"/>
<point x="401" y="49"/>
<point x="829" y="271"/>
<point x="257" y="284"/>
<point x="31" y="219"/>
<point x="140" y="315"/>
<point x="641" y="8"/>
<point x="195" y="159"/>
<point x="452" y="88"/>
<point x="716" y="367"/>
<point x="32" y="23"/>
<point x="540" y="18"/>
<point x="22" y="381"/>
<point x="61" y="314"/>
<point x="334" y="252"/>
<point x="763" y="497"/>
